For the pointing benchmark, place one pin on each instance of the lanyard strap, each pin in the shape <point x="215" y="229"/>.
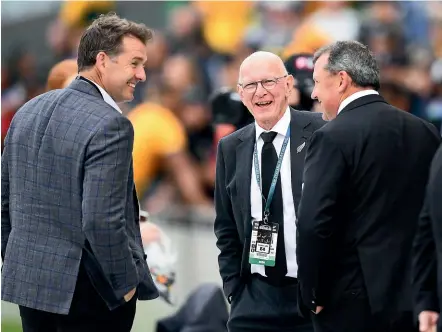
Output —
<point x="275" y="174"/>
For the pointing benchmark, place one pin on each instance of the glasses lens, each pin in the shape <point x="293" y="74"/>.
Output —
<point x="250" y="87"/>
<point x="269" y="84"/>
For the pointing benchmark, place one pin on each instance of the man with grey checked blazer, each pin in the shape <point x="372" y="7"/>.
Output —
<point x="70" y="238"/>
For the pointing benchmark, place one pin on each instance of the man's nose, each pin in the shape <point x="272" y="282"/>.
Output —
<point x="260" y="90"/>
<point x="313" y="95"/>
<point x="141" y="74"/>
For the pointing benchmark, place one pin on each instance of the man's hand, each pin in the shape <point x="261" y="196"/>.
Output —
<point x="428" y="321"/>
<point x="130" y="295"/>
<point x="318" y="310"/>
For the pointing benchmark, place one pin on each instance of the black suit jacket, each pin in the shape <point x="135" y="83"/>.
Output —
<point x="427" y="277"/>
<point x="233" y="225"/>
<point x="364" y="181"/>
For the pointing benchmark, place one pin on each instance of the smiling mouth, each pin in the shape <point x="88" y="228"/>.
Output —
<point x="132" y="85"/>
<point x="263" y="103"/>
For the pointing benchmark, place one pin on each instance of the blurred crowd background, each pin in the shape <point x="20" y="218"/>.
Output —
<point x="197" y="49"/>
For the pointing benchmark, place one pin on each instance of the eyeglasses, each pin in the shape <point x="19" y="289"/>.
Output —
<point x="267" y="84"/>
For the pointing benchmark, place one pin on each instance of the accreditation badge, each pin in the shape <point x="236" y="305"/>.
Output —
<point x="263" y="243"/>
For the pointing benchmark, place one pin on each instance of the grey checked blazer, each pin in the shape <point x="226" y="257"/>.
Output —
<point x="67" y="192"/>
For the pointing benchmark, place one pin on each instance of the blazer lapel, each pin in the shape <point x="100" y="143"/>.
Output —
<point x="299" y="136"/>
<point x="244" y="158"/>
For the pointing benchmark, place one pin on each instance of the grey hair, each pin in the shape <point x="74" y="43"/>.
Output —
<point x="355" y="59"/>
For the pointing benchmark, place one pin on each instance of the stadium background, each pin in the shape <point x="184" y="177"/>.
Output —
<point x="197" y="49"/>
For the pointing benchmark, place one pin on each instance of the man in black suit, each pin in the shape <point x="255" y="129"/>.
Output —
<point x="364" y="181"/>
<point x="259" y="269"/>
<point x="427" y="281"/>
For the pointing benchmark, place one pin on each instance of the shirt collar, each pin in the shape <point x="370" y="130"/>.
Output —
<point x="106" y="97"/>
<point x="280" y="127"/>
<point x="355" y="96"/>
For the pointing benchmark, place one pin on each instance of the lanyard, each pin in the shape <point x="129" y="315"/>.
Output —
<point x="275" y="174"/>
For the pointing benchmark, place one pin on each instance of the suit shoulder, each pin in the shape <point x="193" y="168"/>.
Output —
<point x="417" y="122"/>
<point x="92" y="106"/>
<point x="317" y="120"/>
<point x="231" y="138"/>
<point x="69" y="105"/>
<point x="314" y="118"/>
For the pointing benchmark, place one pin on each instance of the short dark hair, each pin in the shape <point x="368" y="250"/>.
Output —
<point x="105" y="34"/>
<point x="355" y="59"/>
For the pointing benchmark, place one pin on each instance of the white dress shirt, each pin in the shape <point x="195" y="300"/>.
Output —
<point x="355" y="96"/>
<point x="106" y="97"/>
<point x="287" y="195"/>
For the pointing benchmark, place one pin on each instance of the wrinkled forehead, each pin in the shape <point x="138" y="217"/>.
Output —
<point x="260" y="69"/>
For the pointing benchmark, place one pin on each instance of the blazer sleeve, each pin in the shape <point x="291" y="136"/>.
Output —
<point x="6" y="222"/>
<point x="424" y="265"/>
<point x="228" y="241"/>
<point x="424" y="246"/>
<point x="324" y="176"/>
<point x="106" y="172"/>
<point x="424" y="261"/>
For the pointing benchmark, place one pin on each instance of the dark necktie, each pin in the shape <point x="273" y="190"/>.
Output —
<point x="269" y="159"/>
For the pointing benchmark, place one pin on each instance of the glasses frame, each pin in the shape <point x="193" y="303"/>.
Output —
<point x="276" y="80"/>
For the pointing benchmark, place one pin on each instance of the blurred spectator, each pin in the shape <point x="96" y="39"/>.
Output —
<point x="196" y="118"/>
<point x="77" y="15"/>
<point x="404" y="69"/>
<point x="181" y="72"/>
<point x="306" y="39"/>
<point x="185" y="30"/>
<point x="332" y="21"/>
<point x="62" y="74"/>
<point x="185" y="36"/>
<point x="23" y="73"/>
<point x="436" y="35"/>
<point x="160" y="147"/>
<point x="275" y="25"/>
<point x="20" y="82"/>
<point x="224" y="23"/>
<point x="228" y="112"/>
<point x="57" y="37"/>
<point x="64" y="31"/>
<point x="433" y="110"/>
<point x="300" y="66"/>
<point x="417" y="27"/>
<point x="228" y="73"/>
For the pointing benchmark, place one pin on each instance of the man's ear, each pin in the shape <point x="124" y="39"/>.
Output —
<point x="290" y="84"/>
<point x="100" y="60"/>
<point x="344" y="81"/>
<point x="240" y="91"/>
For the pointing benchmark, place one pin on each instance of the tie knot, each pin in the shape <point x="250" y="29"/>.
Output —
<point x="268" y="137"/>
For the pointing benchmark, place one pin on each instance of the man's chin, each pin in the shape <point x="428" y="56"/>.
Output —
<point x="264" y="114"/>
<point x="127" y="99"/>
